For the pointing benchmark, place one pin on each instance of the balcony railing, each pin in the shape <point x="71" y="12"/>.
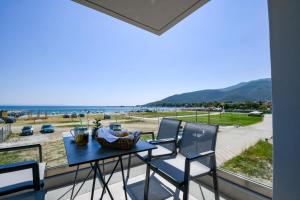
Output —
<point x="59" y="176"/>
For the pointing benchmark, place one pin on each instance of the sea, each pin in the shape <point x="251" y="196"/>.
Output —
<point x="78" y="109"/>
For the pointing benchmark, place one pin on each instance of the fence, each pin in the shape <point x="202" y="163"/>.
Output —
<point x="5" y="131"/>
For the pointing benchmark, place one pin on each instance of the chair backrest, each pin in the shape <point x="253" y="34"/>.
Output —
<point x="199" y="138"/>
<point x="168" y="128"/>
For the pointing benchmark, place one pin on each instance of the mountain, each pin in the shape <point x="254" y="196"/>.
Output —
<point x="257" y="90"/>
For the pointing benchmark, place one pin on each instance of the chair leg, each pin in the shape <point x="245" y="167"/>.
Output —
<point x="146" y="189"/>
<point x="186" y="191"/>
<point x="215" y="181"/>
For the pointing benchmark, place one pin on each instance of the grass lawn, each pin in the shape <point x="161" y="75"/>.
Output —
<point x="165" y="114"/>
<point x="256" y="161"/>
<point x="119" y="117"/>
<point x="146" y="137"/>
<point x="50" y="120"/>
<point x="226" y="119"/>
<point x="115" y="116"/>
<point x="53" y="153"/>
<point x="133" y="121"/>
<point x="13" y="135"/>
<point x="9" y="157"/>
<point x="18" y="156"/>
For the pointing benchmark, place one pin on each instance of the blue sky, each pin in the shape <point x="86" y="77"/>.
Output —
<point x="57" y="52"/>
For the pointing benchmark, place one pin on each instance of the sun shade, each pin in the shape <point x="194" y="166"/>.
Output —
<point x="156" y="16"/>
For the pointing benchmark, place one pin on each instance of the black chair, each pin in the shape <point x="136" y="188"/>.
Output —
<point x="165" y="141"/>
<point x="196" y="158"/>
<point x="24" y="175"/>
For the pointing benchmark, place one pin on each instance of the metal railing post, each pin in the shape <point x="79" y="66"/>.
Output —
<point x="2" y="134"/>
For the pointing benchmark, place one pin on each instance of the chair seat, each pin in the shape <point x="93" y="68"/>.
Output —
<point x="20" y="177"/>
<point x="160" y="151"/>
<point x="174" y="168"/>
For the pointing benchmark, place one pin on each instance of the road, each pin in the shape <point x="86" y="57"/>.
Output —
<point x="231" y="141"/>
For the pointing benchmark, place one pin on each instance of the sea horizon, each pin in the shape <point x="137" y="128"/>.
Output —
<point x="73" y="109"/>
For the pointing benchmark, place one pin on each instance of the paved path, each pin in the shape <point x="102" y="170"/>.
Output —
<point x="232" y="141"/>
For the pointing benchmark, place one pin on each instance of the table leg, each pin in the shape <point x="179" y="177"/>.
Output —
<point x="129" y="166"/>
<point x="98" y="175"/>
<point x="74" y="183"/>
<point x="147" y="179"/>
<point x="105" y="184"/>
<point x="103" y="170"/>
<point x="94" y="180"/>
<point x="83" y="183"/>
<point x="123" y="177"/>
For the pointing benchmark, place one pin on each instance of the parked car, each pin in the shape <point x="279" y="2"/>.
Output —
<point x="26" y="130"/>
<point x="73" y="115"/>
<point x="47" y="128"/>
<point x="81" y="115"/>
<point x="66" y="116"/>
<point x="115" y="126"/>
<point x="10" y="120"/>
<point x="107" y="116"/>
<point x="256" y="114"/>
<point x="2" y="121"/>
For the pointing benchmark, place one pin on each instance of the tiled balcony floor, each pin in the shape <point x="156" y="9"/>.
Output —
<point x="159" y="188"/>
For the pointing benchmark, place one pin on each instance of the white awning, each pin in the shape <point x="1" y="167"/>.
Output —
<point x="156" y="16"/>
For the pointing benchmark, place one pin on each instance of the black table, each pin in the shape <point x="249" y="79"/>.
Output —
<point x="93" y="153"/>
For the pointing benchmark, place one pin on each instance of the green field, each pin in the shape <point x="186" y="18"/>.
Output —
<point x="18" y="156"/>
<point x="256" y="161"/>
<point x="165" y="114"/>
<point x="225" y="119"/>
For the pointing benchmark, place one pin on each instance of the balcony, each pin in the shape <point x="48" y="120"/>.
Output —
<point x="159" y="188"/>
<point x="60" y="177"/>
<point x="231" y="186"/>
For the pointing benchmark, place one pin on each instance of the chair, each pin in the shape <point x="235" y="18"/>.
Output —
<point x="165" y="141"/>
<point x="196" y="158"/>
<point x="24" y="175"/>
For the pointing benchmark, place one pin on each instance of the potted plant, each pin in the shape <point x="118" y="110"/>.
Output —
<point x="97" y="125"/>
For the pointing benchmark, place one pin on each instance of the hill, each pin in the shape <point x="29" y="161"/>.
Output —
<point x="257" y="90"/>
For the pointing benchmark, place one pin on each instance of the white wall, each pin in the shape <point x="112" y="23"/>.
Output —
<point x="285" y="60"/>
